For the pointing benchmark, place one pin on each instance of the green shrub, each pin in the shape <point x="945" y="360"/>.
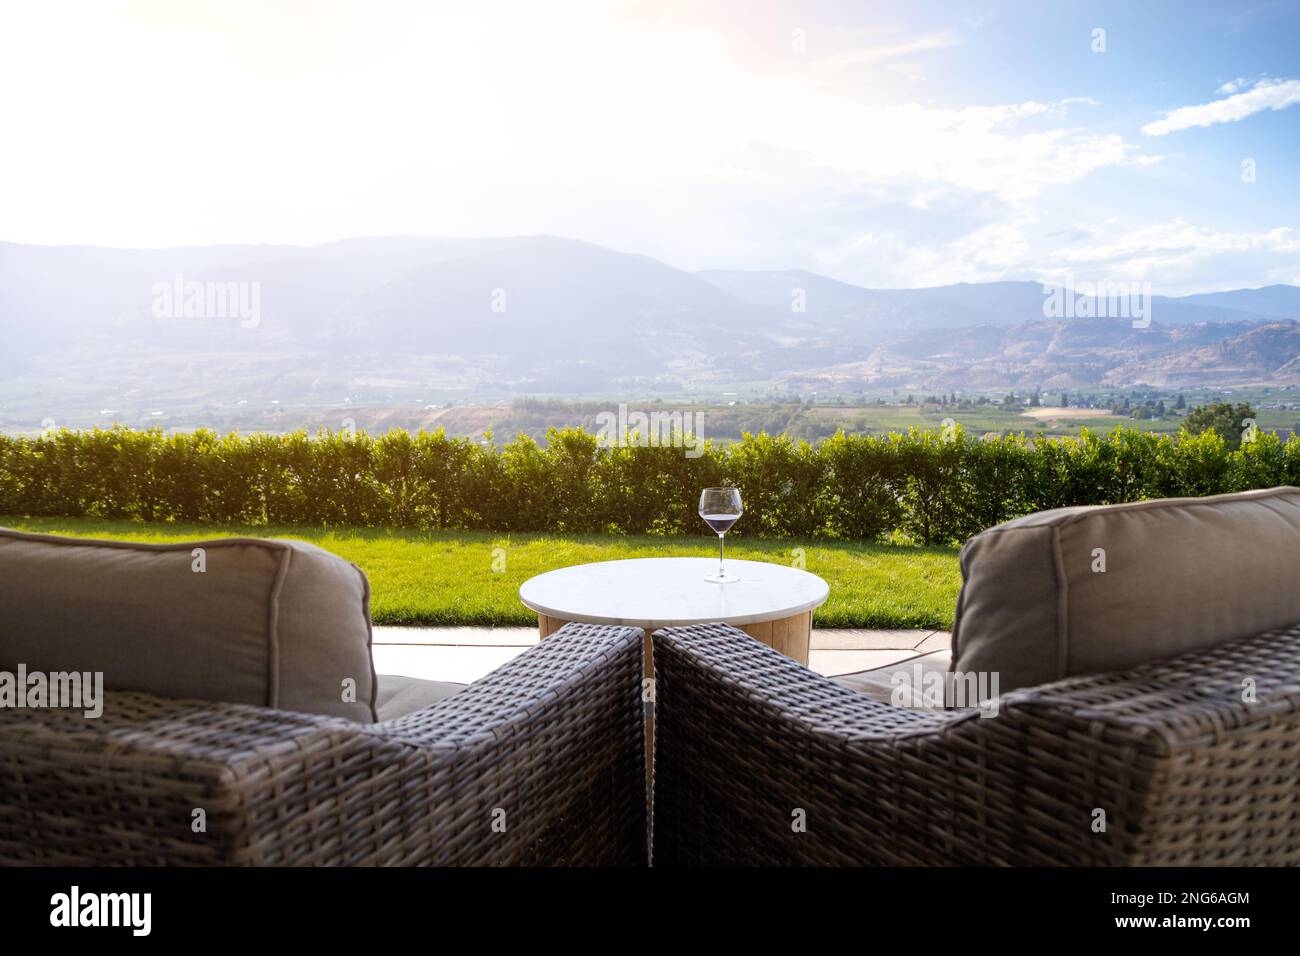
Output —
<point x="781" y="481"/>
<point x="858" y="497"/>
<point x="926" y="486"/>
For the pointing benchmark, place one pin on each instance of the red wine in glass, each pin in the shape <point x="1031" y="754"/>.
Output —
<point x="721" y="508"/>
<point x="720" y="524"/>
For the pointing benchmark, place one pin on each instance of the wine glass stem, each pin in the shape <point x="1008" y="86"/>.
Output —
<point x="721" y="537"/>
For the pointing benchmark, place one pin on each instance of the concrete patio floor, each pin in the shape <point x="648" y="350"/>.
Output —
<point x="464" y="654"/>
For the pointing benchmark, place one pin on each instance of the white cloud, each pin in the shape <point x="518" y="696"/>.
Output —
<point x="1178" y="257"/>
<point x="880" y="52"/>
<point x="1267" y="94"/>
<point x="997" y="250"/>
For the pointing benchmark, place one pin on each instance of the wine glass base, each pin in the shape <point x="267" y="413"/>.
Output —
<point x="716" y="578"/>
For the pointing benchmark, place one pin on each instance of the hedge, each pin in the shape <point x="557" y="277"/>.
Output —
<point x="923" y="486"/>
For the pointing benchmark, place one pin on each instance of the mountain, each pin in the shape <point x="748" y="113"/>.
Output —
<point x="818" y="306"/>
<point x="1079" y="353"/>
<point x="85" y="334"/>
<point x="1268" y="352"/>
<point x="55" y="293"/>
<point x="1273" y="301"/>
<point x="558" y="313"/>
<point x="837" y="305"/>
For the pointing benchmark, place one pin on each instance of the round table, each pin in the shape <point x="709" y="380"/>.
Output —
<point x="771" y="602"/>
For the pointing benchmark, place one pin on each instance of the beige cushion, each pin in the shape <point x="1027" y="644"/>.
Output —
<point x="399" y="696"/>
<point x="1180" y="574"/>
<point x="276" y="623"/>
<point x="901" y="684"/>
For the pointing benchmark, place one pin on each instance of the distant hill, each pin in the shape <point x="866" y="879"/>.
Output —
<point x="419" y="321"/>
<point x="832" y="304"/>
<point x="1273" y="301"/>
<point x="558" y="314"/>
<point x="1081" y="353"/>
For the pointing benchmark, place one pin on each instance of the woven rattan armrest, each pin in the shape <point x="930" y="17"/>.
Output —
<point x="760" y="761"/>
<point x="541" y="762"/>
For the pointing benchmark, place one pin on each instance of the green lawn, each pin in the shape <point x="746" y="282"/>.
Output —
<point x="448" y="578"/>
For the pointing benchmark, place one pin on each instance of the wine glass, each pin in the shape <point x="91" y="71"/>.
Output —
<point x="721" y="508"/>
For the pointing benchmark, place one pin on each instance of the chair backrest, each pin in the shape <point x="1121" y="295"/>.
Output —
<point x="1092" y="589"/>
<point x="270" y="622"/>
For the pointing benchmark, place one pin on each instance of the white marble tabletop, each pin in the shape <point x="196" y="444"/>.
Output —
<point x="667" y="592"/>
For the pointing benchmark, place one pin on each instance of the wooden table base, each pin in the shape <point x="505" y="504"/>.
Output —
<point x="789" y="635"/>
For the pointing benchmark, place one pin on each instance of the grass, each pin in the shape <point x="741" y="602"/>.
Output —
<point x="421" y="577"/>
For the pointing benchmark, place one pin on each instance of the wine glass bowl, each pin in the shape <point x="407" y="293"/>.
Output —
<point x="721" y="508"/>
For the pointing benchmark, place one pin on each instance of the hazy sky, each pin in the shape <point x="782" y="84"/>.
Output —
<point x="888" y="144"/>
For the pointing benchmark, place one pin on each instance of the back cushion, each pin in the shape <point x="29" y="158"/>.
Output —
<point x="1094" y="589"/>
<point x="276" y="623"/>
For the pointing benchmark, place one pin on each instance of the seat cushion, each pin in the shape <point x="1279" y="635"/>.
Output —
<point x="1093" y="589"/>
<point x="399" y="696"/>
<point x="270" y="622"/>
<point x="905" y="683"/>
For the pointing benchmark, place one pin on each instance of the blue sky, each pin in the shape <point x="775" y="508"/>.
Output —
<point x="1159" y="57"/>
<point x="890" y="144"/>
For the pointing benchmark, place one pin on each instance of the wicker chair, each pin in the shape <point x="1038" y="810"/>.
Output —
<point x="555" y="739"/>
<point x="1184" y="770"/>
